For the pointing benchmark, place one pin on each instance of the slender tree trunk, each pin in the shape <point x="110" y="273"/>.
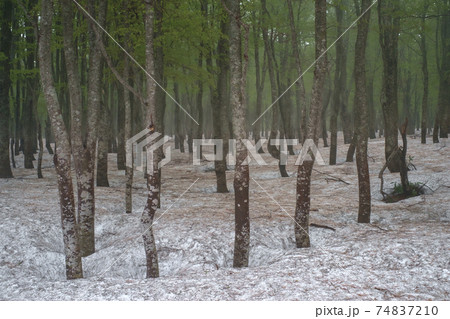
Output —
<point x="62" y="157"/>
<point x="153" y="178"/>
<point x="121" y="128"/>
<point x="6" y="10"/>
<point x="41" y="152"/>
<point x="273" y="150"/>
<point x="361" y="118"/>
<point x="129" y="170"/>
<point x="259" y="83"/>
<point x="351" y="149"/>
<point x="179" y="123"/>
<point x="323" y="118"/>
<point x="300" y="92"/>
<point x="443" y="112"/>
<point x="389" y="24"/>
<point x="371" y="107"/>
<point x="423" y="50"/>
<point x="29" y="105"/>
<point x="340" y="81"/>
<point x="102" y="152"/>
<point x="48" y="136"/>
<point x="305" y="169"/>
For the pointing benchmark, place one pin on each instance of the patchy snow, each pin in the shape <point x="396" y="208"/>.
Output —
<point x="402" y="255"/>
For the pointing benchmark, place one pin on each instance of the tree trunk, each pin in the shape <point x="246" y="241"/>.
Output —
<point x="443" y="112"/>
<point x="41" y="152"/>
<point x="84" y="145"/>
<point x="300" y="93"/>
<point x="351" y="150"/>
<point x="361" y="117"/>
<point x="423" y="50"/>
<point x="340" y="82"/>
<point x="238" y="104"/>
<point x="6" y="10"/>
<point x="302" y="207"/>
<point x="121" y="156"/>
<point x="273" y="150"/>
<point x="153" y="178"/>
<point x="371" y="107"/>
<point x="62" y="157"/>
<point x="129" y="170"/>
<point x="30" y="98"/>
<point x="389" y="24"/>
<point x="102" y="152"/>
<point x="259" y="83"/>
<point x="219" y="101"/>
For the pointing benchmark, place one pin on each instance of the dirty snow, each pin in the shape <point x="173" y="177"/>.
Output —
<point x="402" y="255"/>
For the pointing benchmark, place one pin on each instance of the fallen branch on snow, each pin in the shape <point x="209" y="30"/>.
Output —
<point x="322" y="226"/>
<point x="331" y="177"/>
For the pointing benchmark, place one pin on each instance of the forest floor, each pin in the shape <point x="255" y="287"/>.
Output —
<point x="402" y="255"/>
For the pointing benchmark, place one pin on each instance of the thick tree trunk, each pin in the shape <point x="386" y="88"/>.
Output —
<point x="389" y="24"/>
<point x="361" y="118"/>
<point x="84" y="145"/>
<point x="305" y="169"/>
<point x="6" y="10"/>
<point x="238" y="104"/>
<point x="62" y="157"/>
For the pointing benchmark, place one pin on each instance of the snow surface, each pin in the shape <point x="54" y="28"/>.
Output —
<point x="402" y="255"/>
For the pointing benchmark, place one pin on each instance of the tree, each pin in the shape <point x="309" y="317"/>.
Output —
<point x="152" y="177"/>
<point x="389" y="24"/>
<point x="220" y="99"/>
<point x="303" y="201"/>
<point x="340" y="80"/>
<point x="361" y="110"/>
<point x="62" y="157"/>
<point x="6" y="11"/>
<point x="442" y="121"/>
<point x="269" y="49"/>
<point x="238" y="73"/>
<point x="423" y="50"/>
<point x="84" y="146"/>
<point x="300" y="93"/>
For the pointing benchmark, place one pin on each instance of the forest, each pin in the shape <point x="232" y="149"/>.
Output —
<point x="224" y="150"/>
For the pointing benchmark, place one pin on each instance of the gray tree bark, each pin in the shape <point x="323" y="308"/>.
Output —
<point x="62" y="158"/>
<point x="313" y="129"/>
<point x="238" y="103"/>
<point x="6" y="11"/>
<point x="389" y="24"/>
<point x="153" y="178"/>
<point x="361" y="116"/>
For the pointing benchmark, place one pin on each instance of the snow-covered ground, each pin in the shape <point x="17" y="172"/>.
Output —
<point x="402" y="255"/>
